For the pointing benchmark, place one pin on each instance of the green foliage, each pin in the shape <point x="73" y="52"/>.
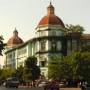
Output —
<point x="74" y="66"/>
<point x="85" y="48"/>
<point x="54" y="67"/>
<point x="35" y="72"/>
<point x="6" y="73"/>
<point x="2" y="45"/>
<point x="59" y="68"/>
<point x="19" y="72"/>
<point x="65" y="70"/>
<point x="27" y="76"/>
<point x="31" y="62"/>
<point x="29" y="72"/>
<point x="74" y="28"/>
<point x="32" y="68"/>
<point x="80" y="65"/>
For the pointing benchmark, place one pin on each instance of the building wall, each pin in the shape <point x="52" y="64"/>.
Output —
<point x="15" y="57"/>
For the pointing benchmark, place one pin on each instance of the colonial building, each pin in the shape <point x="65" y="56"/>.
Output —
<point x="51" y="39"/>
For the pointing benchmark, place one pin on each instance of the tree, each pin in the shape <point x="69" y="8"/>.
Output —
<point x="85" y="48"/>
<point x="83" y="65"/>
<point x="2" y="45"/>
<point x="20" y="73"/>
<point x="74" y="28"/>
<point x="27" y="76"/>
<point x="6" y="73"/>
<point x="80" y="65"/>
<point x="65" y="70"/>
<point x="75" y="66"/>
<point x="32" y="68"/>
<point x="58" y="68"/>
<point x="54" y="67"/>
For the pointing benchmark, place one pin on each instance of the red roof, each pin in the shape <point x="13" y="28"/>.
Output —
<point x="51" y="19"/>
<point x="14" y="40"/>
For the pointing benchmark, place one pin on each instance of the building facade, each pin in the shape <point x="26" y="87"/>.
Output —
<point x="51" y="39"/>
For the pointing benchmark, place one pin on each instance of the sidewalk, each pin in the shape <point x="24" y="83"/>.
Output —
<point x="70" y="88"/>
<point x="31" y="88"/>
<point x="60" y="88"/>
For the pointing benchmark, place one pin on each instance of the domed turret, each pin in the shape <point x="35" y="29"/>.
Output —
<point x="50" y="18"/>
<point x="15" y="39"/>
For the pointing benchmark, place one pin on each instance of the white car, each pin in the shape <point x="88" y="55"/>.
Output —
<point x="42" y="84"/>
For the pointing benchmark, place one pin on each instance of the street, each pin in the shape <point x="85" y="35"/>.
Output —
<point x="20" y="88"/>
<point x="25" y="88"/>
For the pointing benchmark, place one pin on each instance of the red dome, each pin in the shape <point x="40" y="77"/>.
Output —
<point x="15" y="39"/>
<point x="51" y="19"/>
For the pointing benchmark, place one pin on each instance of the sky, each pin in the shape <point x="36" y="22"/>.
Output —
<point x="24" y="15"/>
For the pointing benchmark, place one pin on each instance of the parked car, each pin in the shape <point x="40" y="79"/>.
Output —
<point x="12" y="82"/>
<point x="62" y="84"/>
<point x="42" y="84"/>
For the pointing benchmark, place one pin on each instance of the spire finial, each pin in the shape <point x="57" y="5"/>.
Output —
<point x="15" y="28"/>
<point x="50" y="9"/>
<point x="50" y="2"/>
<point x="15" y="32"/>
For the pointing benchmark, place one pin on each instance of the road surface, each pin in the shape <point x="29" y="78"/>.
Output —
<point x="20" y="88"/>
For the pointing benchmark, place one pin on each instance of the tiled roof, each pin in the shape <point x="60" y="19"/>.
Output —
<point x="15" y="40"/>
<point x="51" y="19"/>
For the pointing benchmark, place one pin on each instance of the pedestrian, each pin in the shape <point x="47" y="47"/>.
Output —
<point x="83" y="86"/>
<point x="54" y="85"/>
